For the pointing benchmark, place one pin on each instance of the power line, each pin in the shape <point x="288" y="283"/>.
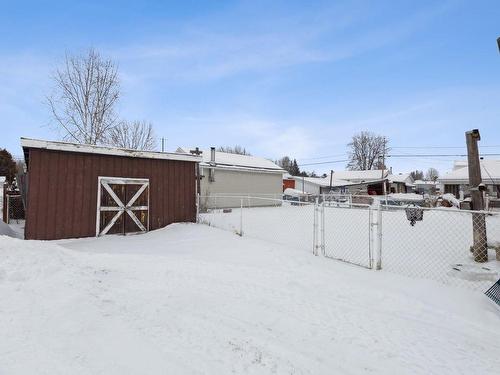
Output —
<point x="409" y="147"/>
<point x="324" y="162"/>
<point x="325" y="157"/>
<point x="410" y="156"/>
<point x="434" y="155"/>
<point x="440" y="147"/>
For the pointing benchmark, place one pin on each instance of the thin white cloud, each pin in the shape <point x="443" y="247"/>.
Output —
<point x="199" y="53"/>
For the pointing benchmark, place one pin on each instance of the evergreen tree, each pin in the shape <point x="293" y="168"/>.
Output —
<point x="295" y="170"/>
<point x="7" y="166"/>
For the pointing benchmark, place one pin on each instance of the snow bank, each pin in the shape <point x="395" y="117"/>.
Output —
<point x="295" y="193"/>
<point x="451" y="199"/>
<point x="6" y="230"/>
<point x="406" y="197"/>
<point x="191" y="299"/>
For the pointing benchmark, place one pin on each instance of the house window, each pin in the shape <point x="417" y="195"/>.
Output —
<point x="452" y="189"/>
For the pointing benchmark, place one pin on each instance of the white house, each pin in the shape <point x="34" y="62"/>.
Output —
<point x="361" y="176"/>
<point x="354" y="182"/>
<point x="426" y="187"/>
<point x="317" y="185"/>
<point x="401" y="183"/>
<point x="456" y="181"/>
<point x="225" y="175"/>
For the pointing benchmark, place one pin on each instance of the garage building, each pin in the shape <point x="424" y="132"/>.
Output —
<point x="75" y="190"/>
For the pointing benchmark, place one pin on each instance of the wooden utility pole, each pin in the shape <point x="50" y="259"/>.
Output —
<point x="331" y="180"/>
<point x="480" y="245"/>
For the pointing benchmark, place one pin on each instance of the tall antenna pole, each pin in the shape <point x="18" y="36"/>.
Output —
<point x="384" y="188"/>
<point x="480" y="245"/>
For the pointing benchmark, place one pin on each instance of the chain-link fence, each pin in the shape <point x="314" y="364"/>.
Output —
<point x="451" y="246"/>
<point x="438" y="244"/>
<point x="13" y="208"/>
<point x="288" y="223"/>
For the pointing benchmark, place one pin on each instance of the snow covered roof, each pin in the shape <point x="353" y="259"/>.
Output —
<point x="360" y="176"/>
<point x="236" y="161"/>
<point x="27" y="143"/>
<point x="295" y="193"/>
<point x="425" y="182"/>
<point x="401" y="177"/>
<point x="406" y="197"/>
<point x="320" y="181"/>
<point x="490" y="172"/>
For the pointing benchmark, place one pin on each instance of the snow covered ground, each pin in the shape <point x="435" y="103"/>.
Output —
<point x="190" y="299"/>
<point x="430" y="249"/>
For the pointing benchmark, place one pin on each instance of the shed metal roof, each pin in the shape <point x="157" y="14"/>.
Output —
<point x="27" y="143"/>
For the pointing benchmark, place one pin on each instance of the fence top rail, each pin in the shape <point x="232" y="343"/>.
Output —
<point x="449" y="210"/>
<point x="245" y="197"/>
<point x="348" y="205"/>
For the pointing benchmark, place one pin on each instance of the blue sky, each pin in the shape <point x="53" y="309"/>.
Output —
<point x="280" y="78"/>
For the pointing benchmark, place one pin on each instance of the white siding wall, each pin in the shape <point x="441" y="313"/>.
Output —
<point x="306" y="186"/>
<point x="246" y="183"/>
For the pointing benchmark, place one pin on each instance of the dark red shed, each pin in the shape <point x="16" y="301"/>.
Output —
<point x="75" y="190"/>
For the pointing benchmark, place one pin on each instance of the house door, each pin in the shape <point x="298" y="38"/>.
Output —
<point x="122" y="205"/>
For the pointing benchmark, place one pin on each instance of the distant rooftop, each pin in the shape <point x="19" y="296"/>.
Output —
<point x="235" y="161"/>
<point x="490" y="172"/>
<point x="360" y="176"/>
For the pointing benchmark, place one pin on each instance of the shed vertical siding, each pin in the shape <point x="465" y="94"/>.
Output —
<point x="62" y="194"/>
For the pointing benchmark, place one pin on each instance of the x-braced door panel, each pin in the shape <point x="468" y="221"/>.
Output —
<point x="122" y="205"/>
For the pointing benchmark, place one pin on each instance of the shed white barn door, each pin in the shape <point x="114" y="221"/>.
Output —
<point x="122" y="205"/>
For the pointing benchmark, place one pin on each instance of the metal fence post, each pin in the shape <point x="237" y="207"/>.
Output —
<point x="241" y="216"/>
<point x="322" y="227"/>
<point x="370" y="237"/>
<point x="197" y="208"/>
<point x="315" y="228"/>
<point x="379" y="238"/>
<point x="7" y="217"/>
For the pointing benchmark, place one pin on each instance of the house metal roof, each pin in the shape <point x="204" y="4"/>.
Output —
<point x="236" y="161"/>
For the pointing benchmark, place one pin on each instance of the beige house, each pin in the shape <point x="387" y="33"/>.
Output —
<point x="226" y="178"/>
<point x="456" y="181"/>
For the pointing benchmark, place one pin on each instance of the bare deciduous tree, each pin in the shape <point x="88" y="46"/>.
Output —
<point x="365" y="150"/>
<point x="285" y="162"/>
<point x="85" y="93"/>
<point x="432" y="174"/>
<point x="136" y="135"/>
<point x="234" y="150"/>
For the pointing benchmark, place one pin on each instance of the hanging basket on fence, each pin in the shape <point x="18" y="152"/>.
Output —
<point x="414" y="213"/>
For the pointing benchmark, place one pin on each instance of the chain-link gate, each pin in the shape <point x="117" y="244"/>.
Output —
<point x="346" y="233"/>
